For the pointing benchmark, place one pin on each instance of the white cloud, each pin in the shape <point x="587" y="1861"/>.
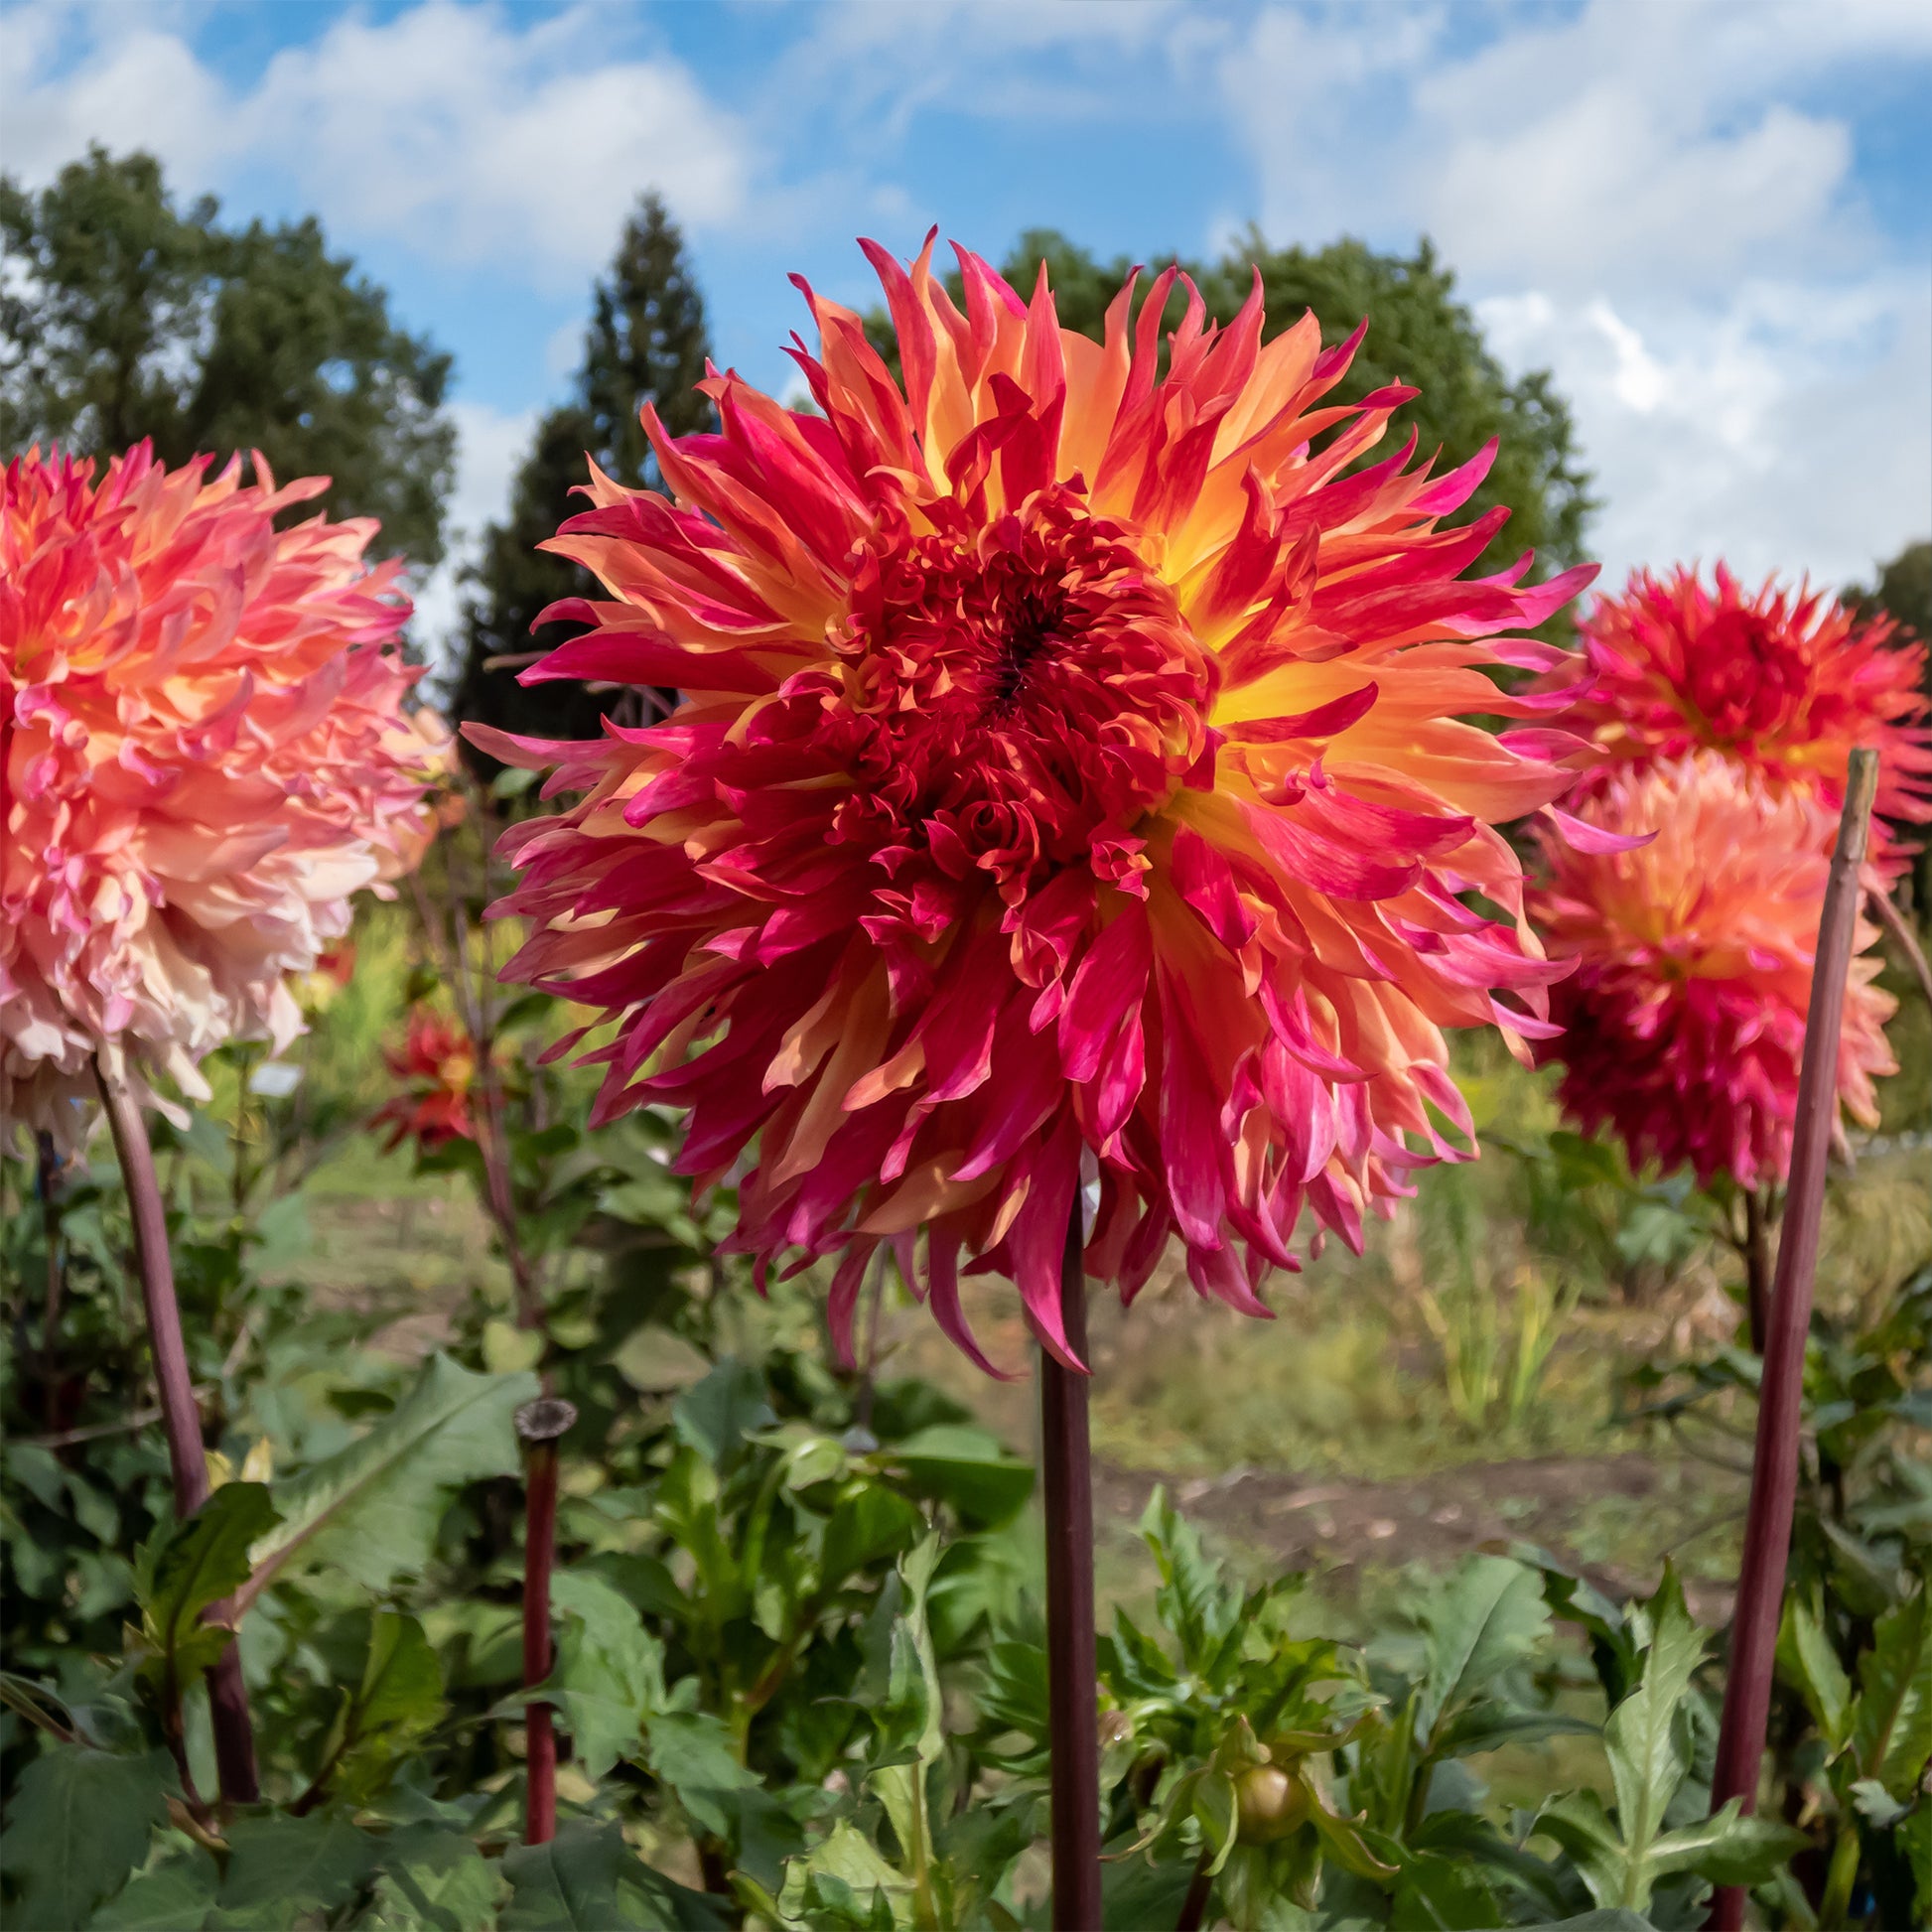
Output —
<point x="1641" y="204"/>
<point x="491" y="444"/>
<point x="469" y="134"/>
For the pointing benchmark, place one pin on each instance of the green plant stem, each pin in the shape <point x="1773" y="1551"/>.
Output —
<point x="1836" y="1903"/>
<point x="1756" y="1251"/>
<point x="227" y="1694"/>
<point x="1774" y="1466"/>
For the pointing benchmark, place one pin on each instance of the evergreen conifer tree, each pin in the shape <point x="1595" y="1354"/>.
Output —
<point x="646" y="342"/>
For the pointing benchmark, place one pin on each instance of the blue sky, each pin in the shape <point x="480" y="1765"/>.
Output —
<point x="1709" y="219"/>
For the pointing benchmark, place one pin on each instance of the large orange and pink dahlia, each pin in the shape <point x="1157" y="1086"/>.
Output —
<point x="1071" y="780"/>
<point x="1786" y="683"/>
<point x="206" y="748"/>
<point x="1684" y="1021"/>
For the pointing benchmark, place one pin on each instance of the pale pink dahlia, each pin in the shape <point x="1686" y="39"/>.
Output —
<point x="1074" y="777"/>
<point x="1684" y="1021"/>
<point x="206" y="751"/>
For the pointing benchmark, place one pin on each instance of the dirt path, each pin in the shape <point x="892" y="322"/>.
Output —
<point x="1431" y="1519"/>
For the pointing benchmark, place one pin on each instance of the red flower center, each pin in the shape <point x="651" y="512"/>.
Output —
<point x="1745" y="677"/>
<point x="1016" y="693"/>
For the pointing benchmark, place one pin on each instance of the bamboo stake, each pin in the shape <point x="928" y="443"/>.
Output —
<point x="227" y="1694"/>
<point x="538" y="1425"/>
<point x="1072" y="1713"/>
<point x="1774" y="1469"/>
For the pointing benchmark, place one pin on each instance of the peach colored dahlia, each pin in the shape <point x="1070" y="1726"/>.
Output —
<point x="1786" y="682"/>
<point x="1684" y="1023"/>
<point x="1071" y="778"/>
<point x="206" y="751"/>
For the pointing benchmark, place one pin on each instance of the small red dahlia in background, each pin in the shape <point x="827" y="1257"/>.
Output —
<point x="206" y="752"/>
<point x="1786" y="683"/>
<point x="437" y="1063"/>
<point x="1684" y="1021"/>
<point x="1072" y="781"/>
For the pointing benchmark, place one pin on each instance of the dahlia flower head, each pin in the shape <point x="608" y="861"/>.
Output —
<point x="207" y="752"/>
<point x="1786" y="683"/>
<point x="1684" y="1021"/>
<point x="437" y="1068"/>
<point x="1071" y="785"/>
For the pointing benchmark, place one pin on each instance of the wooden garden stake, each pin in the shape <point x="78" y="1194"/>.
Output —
<point x="1072" y="1712"/>
<point x="227" y="1694"/>
<point x="538" y="1425"/>
<point x="1774" y="1466"/>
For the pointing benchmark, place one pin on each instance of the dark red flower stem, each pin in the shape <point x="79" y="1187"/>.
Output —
<point x="227" y="1694"/>
<point x="1072" y="1715"/>
<point x="538" y="1425"/>
<point x="1774" y="1467"/>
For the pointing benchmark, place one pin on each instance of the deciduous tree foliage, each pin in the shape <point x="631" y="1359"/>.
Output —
<point x="646" y="342"/>
<point x="124" y="316"/>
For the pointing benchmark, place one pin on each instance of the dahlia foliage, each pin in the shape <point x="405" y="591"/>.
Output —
<point x="207" y="750"/>
<point x="1724" y="724"/>
<point x="1684" y="1023"/>
<point x="1072" y="779"/>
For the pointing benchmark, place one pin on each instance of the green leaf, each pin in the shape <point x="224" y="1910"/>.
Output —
<point x="968" y="1471"/>
<point x="281" y="1868"/>
<point x="1728" y="1848"/>
<point x="1806" y="1659"/>
<point x="716" y="1414"/>
<point x="1486" y="1618"/>
<point x="372" y="1511"/>
<point x="434" y="1881"/>
<point x="877" y="1522"/>
<point x="1194" y="1601"/>
<point x="610" y="1673"/>
<point x="1891" y="1728"/>
<point x="1579" y="1823"/>
<point x="1646" y="1739"/>
<point x="399" y="1701"/>
<point x="569" y="1884"/>
<point x="175" y="1897"/>
<point x="184" y="1567"/>
<point x="77" y="1825"/>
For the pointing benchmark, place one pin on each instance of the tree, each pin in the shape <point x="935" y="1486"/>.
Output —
<point x="122" y="316"/>
<point x="1418" y="334"/>
<point x="1903" y="593"/>
<point x="646" y="342"/>
<point x="1421" y="336"/>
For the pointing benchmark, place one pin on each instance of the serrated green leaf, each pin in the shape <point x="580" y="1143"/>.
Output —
<point x="1728" y="1848"/>
<point x="1486" y="1618"/>
<point x="174" y="1897"/>
<point x="184" y="1567"/>
<point x="610" y="1673"/>
<point x="399" y="1700"/>
<point x="876" y="1522"/>
<point x="569" y="1884"/>
<point x="1646" y="1740"/>
<point x="1891" y="1727"/>
<point x="372" y="1511"/>
<point x="1807" y="1660"/>
<point x="281" y="1868"/>
<point x="1577" y="1822"/>
<point x="78" y="1823"/>
<point x="435" y="1881"/>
